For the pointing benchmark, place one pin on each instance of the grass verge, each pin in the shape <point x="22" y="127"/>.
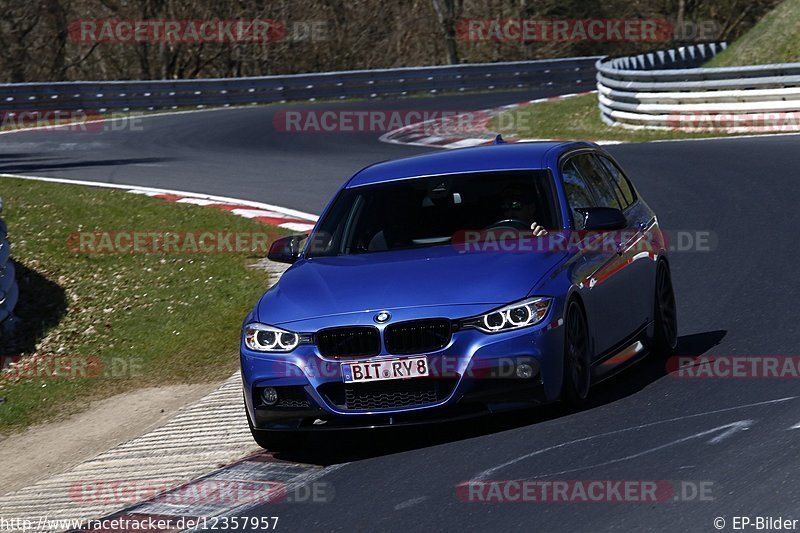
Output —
<point x="577" y="118"/>
<point x="94" y="325"/>
<point x="774" y="39"/>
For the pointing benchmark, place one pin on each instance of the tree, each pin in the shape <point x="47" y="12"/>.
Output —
<point x="446" y="14"/>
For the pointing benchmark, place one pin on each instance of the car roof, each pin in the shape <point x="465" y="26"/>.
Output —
<point x="506" y="156"/>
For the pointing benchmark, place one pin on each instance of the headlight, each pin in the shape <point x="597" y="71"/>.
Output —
<point x="513" y="316"/>
<point x="263" y="338"/>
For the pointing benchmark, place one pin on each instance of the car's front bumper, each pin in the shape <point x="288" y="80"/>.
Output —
<point x="474" y="374"/>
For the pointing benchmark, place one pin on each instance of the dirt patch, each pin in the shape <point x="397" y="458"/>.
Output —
<point x="45" y="450"/>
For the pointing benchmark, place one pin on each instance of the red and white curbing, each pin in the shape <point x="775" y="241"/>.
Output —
<point x="257" y="480"/>
<point x="269" y="214"/>
<point x="180" y="454"/>
<point x="450" y="133"/>
<point x="282" y="217"/>
<point x="265" y="215"/>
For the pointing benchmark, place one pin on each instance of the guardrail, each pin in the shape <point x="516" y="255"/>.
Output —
<point x="578" y="72"/>
<point x="667" y="90"/>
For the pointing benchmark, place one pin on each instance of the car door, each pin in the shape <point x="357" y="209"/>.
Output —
<point x="611" y="308"/>
<point x="595" y="254"/>
<point x="638" y="247"/>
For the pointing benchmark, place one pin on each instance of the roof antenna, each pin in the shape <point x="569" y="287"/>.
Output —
<point x="499" y="139"/>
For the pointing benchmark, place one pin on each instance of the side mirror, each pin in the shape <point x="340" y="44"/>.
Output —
<point x="286" y="249"/>
<point x="602" y="218"/>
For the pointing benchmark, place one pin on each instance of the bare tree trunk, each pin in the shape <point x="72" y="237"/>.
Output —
<point x="445" y="12"/>
<point x="354" y="34"/>
<point x="58" y="21"/>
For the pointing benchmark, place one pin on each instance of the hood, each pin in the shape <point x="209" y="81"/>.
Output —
<point x="408" y="278"/>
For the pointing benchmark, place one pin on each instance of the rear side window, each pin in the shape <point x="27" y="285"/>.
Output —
<point x="596" y="175"/>
<point x="578" y="193"/>
<point x="623" y="186"/>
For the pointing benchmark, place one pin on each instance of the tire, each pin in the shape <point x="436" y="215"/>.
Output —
<point x="577" y="360"/>
<point x="665" y="338"/>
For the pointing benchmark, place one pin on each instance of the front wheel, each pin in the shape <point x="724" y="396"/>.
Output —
<point x="577" y="362"/>
<point x="665" y="339"/>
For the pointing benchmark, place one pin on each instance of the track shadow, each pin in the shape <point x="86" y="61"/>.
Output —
<point x="22" y="155"/>
<point x="42" y="304"/>
<point x="17" y="167"/>
<point x="651" y="369"/>
<point x="333" y="447"/>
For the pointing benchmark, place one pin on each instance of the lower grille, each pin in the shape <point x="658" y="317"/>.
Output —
<point x="388" y="394"/>
<point x="417" y="336"/>
<point x="349" y="342"/>
<point x="289" y="397"/>
<point x="289" y="403"/>
<point x="358" y="399"/>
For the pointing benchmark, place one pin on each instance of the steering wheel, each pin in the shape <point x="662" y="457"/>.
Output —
<point x="509" y="223"/>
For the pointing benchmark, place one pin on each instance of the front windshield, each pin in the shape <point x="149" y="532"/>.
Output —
<point x="429" y="211"/>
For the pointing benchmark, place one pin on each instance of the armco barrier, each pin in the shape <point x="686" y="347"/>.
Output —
<point x="669" y="90"/>
<point x="578" y="73"/>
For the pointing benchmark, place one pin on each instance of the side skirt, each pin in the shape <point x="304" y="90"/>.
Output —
<point x="626" y="353"/>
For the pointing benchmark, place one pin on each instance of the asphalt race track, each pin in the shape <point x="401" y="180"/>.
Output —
<point x="738" y="435"/>
<point x="235" y="152"/>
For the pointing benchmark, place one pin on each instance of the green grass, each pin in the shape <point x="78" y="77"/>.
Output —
<point x="774" y="39"/>
<point x="576" y="118"/>
<point x="150" y="319"/>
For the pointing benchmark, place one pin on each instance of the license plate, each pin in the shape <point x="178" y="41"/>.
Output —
<point x="409" y="367"/>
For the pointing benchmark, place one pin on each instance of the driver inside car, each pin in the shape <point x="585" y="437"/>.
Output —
<point x="521" y="205"/>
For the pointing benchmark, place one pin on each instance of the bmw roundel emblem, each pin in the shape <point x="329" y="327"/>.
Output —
<point x="382" y="317"/>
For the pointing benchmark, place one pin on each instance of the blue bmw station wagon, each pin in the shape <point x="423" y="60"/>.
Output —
<point x="455" y="284"/>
